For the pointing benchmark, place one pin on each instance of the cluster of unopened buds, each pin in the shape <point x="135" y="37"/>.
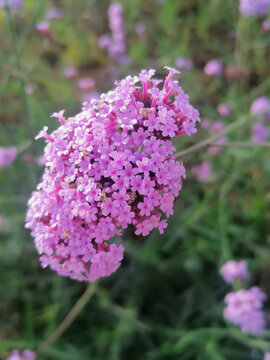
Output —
<point x="109" y="167"/>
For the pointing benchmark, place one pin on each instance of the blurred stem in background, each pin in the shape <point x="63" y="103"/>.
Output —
<point x="71" y="316"/>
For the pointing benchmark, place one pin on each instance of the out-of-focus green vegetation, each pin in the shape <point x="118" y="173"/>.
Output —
<point x="165" y="302"/>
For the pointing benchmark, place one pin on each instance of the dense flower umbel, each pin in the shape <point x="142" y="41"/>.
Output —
<point x="110" y="166"/>
<point x="232" y="270"/>
<point x="244" y="309"/>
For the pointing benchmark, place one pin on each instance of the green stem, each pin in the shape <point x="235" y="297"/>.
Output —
<point x="71" y="316"/>
<point x="212" y="139"/>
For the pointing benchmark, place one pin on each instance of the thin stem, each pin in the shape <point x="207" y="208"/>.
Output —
<point x="213" y="138"/>
<point x="243" y="144"/>
<point x="71" y="316"/>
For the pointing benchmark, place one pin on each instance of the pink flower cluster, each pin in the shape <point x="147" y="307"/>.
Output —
<point x="183" y="63"/>
<point x="110" y="166"/>
<point x="224" y="110"/>
<point x="254" y="7"/>
<point x="266" y="356"/>
<point x="244" y="309"/>
<point x="214" y="67"/>
<point x="202" y="171"/>
<point x="216" y="127"/>
<point x="232" y="270"/>
<point x="7" y="155"/>
<point x="14" y="5"/>
<point x="115" y="43"/>
<point x="260" y="107"/>
<point x="22" y="355"/>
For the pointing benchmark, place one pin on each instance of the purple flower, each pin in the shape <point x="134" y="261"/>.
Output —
<point x="259" y="133"/>
<point x="261" y="104"/>
<point x="86" y="84"/>
<point x="53" y="14"/>
<point x="265" y="25"/>
<point x="213" y="68"/>
<point x="115" y="43"/>
<point x="202" y="171"/>
<point x="244" y="309"/>
<point x="7" y="155"/>
<point x="254" y="7"/>
<point x="183" y="63"/>
<point x="70" y="71"/>
<point x="224" y="110"/>
<point x="140" y="29"/>
<point x="266" y="356"/>
<point x="43" y="27"/>
<point x="108" y="167"/>
<point x="21" y="355"/>
<point x="216" y="127"/>
<point x="14" y="5"/>
<point x="232" y="270"/>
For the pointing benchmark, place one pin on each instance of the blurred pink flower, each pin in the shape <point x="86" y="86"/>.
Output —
<point x="266" y="356"/>
<point x="259" y="133"/>
<point x="30" y="88"/>
<point x="184" y="63"/>
<point x="86" y="84"/>
<point x="206" y="124"/>
<point x="21" y="355"/>
<point x="261" y="104"/>
<point x="53" y="14"/>
<point x="254" y="7"/>
<point x="216" y="127"/>
<point x="14" y="5"/>
<point x="70" y="71"/>
<point x="244" y="309"/>
<point x="213" y="68"/>
<point x="224" y="109"/>
<point x="7" y="155"/>
<point x="202" y="171"/>
<point x="140" y="29"/>
<point x="232" y="270"/>
<point x="43" y="27"/>
<point x="265" y="25"/>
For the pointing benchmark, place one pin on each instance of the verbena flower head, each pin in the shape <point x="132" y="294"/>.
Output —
<point x="202" y="171"/>
<point x="14" y="5"/>
<point x="183" y="63"/>
<point x="254" y="7"/>
<point x="232" y="270"/>
<point x="265" y="25"/>
<point x="213" y="68"/>
<point x="266" y="356"/>
<point x="7" y="155"/>
<point x="259" y="133"/>
<point x="260" y="105"/>
<point x="110" y="166"/>
<point x="224" y="110"/>
<point x="244" y="309"/>
<point x="115" y="43"/>
<point x="22" y="355"/>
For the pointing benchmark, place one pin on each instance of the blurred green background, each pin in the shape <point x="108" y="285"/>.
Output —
<point x="165" y="302"/>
